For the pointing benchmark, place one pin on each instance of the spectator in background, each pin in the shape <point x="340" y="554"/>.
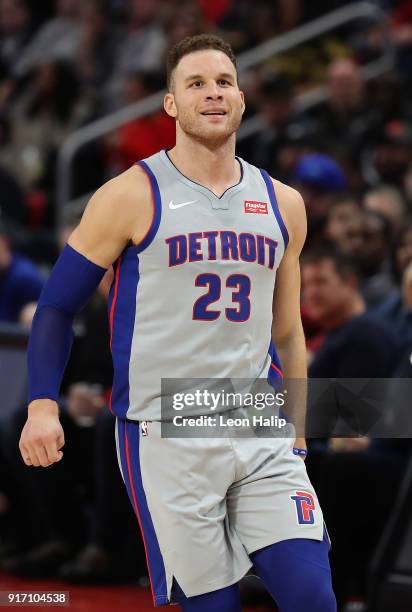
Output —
<point x="401" y="25"/>
<point x="319" y="178"/>
<point x="99" y="43"/>
<point x="20" y="281"/>
<point x="355" y="345"/>
<point x="376" y="283"/>
<point x="143" y="46"/>
<point x="386" y="155"/>
<point x="12" y="199"/>
<point x="40" y="119"/>
<point x="396" y="310"/>
<point x="346" y="118"/>
<point x="143" y="137"/>
<point x="343" y="226"/>
<point x="284" y="136"/>
<point x="185" y="19"/>
<point x="16" y="28"/>
<point x="57" y="39"/>
<point x="387" y="201"/>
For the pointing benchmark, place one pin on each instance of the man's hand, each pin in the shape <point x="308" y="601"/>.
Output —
<point x="42" y="436"/>
<point x="301" y="444"/>
<point x="349" y="445"/>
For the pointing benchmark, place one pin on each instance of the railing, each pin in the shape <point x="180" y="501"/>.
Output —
<point x="245" y="61"/>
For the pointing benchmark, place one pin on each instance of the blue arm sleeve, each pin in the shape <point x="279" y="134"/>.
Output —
<point x="71" y="284"/>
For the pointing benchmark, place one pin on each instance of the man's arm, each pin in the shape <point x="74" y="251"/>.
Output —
<point x="119" y="212"/>
<point x="287" y="330"/>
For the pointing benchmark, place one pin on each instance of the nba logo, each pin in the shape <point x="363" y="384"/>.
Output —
<point x="305" y="506"/>
<point x="144" y="428"/>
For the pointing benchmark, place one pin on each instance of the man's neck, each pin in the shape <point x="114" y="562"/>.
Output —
<point x="213" y="167"/>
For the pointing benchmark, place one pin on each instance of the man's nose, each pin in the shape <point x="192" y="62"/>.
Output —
<point x="213" y="92"/>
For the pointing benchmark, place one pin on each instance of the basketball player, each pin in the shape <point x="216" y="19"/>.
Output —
<point x="197" y="237"/>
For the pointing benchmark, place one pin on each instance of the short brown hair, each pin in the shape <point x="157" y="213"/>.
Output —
<point x="345" y="266"/>
<point x="190" y="44"/>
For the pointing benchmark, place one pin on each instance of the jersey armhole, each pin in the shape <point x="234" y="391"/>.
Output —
<point x="272" y="196"/>
<point x="157" y="208"/>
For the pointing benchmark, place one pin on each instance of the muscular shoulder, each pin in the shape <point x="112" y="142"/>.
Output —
<point x="119" y="212"/>
<point x="293" y="211"/>
<point x="123" y="195"/>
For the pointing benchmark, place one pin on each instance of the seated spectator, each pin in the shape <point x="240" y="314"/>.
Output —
<point x="20" y="281"/>
<point x="388" y="201"/>
<point x="343" y="225"/>
<point x="57" y="39"/>
<point x="285" y="135"/>
<point x="387" y="153"/>
<point x="376" y="282"/>
<point x="40" y="119"/>
<point x="16" y="28"/>
<point x="99" y="42"/>
<point x="347" y="115"/>
<point x="318" y="178"/>
<point x="142" y="48"/>
<point x="396" y="310"/>
<point x="142" y="137"/>
<point x="355" y="345"/>
<point x="185" y="19"/>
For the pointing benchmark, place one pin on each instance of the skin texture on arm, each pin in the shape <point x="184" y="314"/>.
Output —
<point x="120" y="212"/>
<point x="287" y="330"/>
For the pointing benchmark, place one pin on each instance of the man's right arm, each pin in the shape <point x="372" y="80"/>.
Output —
<point x="119" y="213"/>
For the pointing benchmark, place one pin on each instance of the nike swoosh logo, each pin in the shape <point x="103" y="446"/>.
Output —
<point x="174" y="206"/>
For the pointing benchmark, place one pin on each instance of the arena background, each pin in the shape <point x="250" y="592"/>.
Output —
<point x="328" y="92"/>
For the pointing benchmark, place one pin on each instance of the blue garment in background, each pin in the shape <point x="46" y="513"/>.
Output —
<point x="20" y="284"/>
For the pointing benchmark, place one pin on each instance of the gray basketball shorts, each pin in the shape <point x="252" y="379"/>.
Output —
<point x="205" y="504"/>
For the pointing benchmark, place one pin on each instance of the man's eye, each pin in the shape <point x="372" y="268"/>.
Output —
<point x="223" y="82"/>
<point x="196" y="84"/>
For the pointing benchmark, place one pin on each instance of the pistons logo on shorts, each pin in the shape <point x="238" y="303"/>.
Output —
<point x="305" y="505"/>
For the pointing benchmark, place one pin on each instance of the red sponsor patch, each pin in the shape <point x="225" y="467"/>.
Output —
<point x="259" y="208"/>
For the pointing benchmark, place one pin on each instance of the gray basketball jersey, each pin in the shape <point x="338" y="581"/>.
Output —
<point x="194" y="299"/>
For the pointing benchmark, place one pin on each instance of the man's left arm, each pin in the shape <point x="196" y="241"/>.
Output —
<point x="287" y="329"/>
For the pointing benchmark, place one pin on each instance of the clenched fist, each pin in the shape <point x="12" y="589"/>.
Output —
<point x="42" y="436"/>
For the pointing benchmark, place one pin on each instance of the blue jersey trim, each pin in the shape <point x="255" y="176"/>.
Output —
<point x="129" y="446"/>
<point x="275" y="375"/>
<point x="122" y="299"/>
<point x="157" y="205"/>
<point x="275" y="207"/>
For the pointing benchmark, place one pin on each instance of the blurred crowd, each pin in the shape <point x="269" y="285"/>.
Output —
<point x="64" y="63"/>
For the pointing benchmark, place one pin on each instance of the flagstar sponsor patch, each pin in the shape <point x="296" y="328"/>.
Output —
<point x="258" y="208"/>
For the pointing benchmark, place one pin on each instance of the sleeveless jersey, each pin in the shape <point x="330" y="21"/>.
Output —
<point x="194" y="299"/>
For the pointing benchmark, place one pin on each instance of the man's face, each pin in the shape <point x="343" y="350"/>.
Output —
<point x="325" y="293"/>
<point x="205" y="97"/>
<point x="344" y="227"/>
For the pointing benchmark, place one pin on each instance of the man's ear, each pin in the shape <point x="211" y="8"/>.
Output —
<point x="242" y="97"/>
<point x="169" y="105"/>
